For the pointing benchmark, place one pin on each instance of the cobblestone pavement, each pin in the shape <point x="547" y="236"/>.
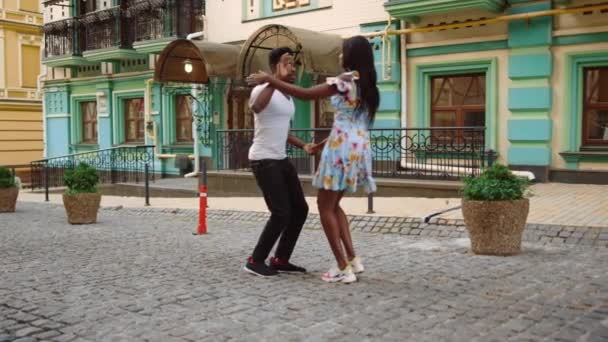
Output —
<point x="546" y="234"/>
<point x="141" y="275"/>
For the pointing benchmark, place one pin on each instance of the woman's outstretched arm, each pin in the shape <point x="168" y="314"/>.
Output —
<point x="313" y="93"/>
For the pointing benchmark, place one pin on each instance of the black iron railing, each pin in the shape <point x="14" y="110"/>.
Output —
<point x="155" y="19"/>
<point x="189" y="16"/>
<point x="440" y="153"/>
<point x="63" y="38"/>
<point x="120" y="26"/>
<point x="149" y="18"/>
<point x="125" y="164"/>
<point x="107" y="28"/>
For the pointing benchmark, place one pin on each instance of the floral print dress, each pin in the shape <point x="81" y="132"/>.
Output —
<point x="346" y="160"/>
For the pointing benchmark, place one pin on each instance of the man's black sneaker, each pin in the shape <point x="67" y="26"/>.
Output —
<point x="285" y="266"/>
<point x="259" y="268"/>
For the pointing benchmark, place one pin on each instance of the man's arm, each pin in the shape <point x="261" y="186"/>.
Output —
<point x="262" y="100"/>
<point x="297" y="142"/>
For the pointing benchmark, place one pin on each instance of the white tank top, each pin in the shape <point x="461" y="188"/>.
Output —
<point x="271" y="125"/>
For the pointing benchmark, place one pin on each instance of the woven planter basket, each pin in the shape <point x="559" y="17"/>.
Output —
<point x="82" y="208"/>
<point x="496" y="227"/>
<point x="8" y="199"/>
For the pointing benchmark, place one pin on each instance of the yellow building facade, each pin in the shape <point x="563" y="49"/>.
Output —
<point x="21" y="133"/>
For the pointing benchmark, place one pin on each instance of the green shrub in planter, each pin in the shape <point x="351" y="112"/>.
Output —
<point x="495" y="211"/>
<point x="81" y="200"/>
<point x="6" y="178"/>
<point x="9" y="191"/>
<point x="83" y="179"/>
<point x="496" y="183"/>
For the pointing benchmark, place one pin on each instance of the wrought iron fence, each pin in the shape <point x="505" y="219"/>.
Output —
<point x="125" y="164"/>
<point x="436" y="153"/>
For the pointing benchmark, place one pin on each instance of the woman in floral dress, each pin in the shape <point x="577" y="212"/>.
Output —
<point x="346" y="160"/>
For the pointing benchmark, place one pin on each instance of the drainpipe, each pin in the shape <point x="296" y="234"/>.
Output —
<point x="387" y="52"/>
<point x="404" y="100"/>
<point x="195" y="35"/>
<point x="197" y="157"/>
<point x="44" y="128"/>
<point x="40" y="93"/>
<point x="404" y="85"/>
<point x="202" y="33"/>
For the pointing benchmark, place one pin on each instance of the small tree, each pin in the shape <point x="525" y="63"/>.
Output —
<point x="6" y="178"/>
<point x="496" y="183"/>
<point x="82" y="179"/>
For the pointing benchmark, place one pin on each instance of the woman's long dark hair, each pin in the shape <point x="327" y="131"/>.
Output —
<point x="357" y="55"/>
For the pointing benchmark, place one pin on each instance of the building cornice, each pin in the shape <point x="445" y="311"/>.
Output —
<point x="20" y="106"/>
<point x="20" y="20"/>
<point x="21" y="27"/>
<point x="98" y="79"/>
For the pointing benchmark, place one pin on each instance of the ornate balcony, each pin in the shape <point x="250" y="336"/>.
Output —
<point x="108" y="35"/>
<point x="63" y="43"/>
<point x="133" y="29"/>
<point x="155" y="22"/>
<point x="106" y="29"/>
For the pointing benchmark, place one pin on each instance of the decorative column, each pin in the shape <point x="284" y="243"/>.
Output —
<point x="104" y="115"/>
<point x="530" y="94"/>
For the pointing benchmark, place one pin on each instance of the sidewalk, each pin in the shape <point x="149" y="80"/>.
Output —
<point x="565" y="204"/>
<point x="552" y="204"/>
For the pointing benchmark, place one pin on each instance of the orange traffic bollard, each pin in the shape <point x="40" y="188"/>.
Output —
<point x="202" y="211"/>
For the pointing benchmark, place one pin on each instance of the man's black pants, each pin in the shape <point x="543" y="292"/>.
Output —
<point x="278" y="180"/>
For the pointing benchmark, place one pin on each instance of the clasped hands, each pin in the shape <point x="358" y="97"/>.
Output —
<point x="312" y="148"/>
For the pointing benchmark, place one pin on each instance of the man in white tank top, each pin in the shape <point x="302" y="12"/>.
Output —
<point x="274" y="173"/>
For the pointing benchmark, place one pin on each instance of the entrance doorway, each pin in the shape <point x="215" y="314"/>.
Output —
<point x="239" y="117"/>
